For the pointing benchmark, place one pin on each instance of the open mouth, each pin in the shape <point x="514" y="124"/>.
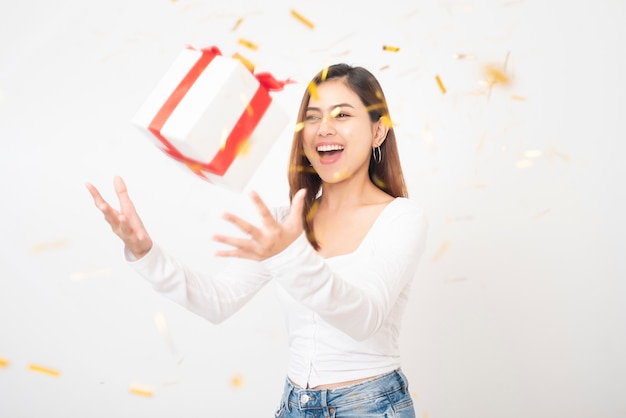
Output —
<point x="328" y="151"/>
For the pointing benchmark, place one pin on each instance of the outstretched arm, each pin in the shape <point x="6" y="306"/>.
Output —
<point x="125" y="223"/>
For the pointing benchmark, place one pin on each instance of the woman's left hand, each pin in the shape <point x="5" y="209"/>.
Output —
<point x="269" y="239"/>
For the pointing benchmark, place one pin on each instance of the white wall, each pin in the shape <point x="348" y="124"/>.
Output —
<point x="519" y="309"/>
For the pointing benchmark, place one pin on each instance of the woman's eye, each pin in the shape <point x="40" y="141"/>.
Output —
<point x="311" y="118"/>
<point x="342" y="115"/>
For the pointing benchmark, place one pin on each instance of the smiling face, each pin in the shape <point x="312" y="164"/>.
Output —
<point x="338" y="135"/>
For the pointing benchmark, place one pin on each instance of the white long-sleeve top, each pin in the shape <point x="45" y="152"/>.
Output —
<point x="343" y="313"/>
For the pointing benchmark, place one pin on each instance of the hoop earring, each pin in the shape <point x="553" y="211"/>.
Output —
<point x="377" y="154"/>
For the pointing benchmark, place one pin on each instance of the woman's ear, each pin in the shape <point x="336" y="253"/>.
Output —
<point x="380" y="133"/>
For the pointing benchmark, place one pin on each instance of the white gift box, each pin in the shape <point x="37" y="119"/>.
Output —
<point x="211" y="113"/>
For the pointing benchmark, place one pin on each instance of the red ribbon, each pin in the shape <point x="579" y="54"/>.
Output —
<point x="240" y="133"/>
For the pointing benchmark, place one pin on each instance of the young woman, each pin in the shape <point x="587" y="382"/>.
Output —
<point x="343" y="255"/>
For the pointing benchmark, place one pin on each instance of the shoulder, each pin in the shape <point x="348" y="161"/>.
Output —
<point x="405" y="206"/>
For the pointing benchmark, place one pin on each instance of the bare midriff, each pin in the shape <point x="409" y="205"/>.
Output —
<point x="339" y="384"/>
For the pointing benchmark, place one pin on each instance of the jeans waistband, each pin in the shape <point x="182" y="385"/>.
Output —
<point x="360" y="392"/>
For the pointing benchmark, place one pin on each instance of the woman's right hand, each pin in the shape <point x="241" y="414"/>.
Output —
<point x="126" y="222"/>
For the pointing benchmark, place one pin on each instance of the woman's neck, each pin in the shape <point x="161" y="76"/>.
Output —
<point x="348" y="194"/>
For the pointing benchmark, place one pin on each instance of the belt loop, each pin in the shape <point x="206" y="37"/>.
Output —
<point x="323" y="403"/>
<point x="288" y="395"/>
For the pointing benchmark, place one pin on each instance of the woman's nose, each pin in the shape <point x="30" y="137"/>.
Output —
<point x="325" y="127"/>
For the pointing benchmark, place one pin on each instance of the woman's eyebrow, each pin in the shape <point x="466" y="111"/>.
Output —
<point x="330" y="107"/>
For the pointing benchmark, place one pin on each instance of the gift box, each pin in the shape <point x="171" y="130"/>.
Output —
<point x="214" y="115"/>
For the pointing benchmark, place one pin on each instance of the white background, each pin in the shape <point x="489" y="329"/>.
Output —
<point x="519" y="308"/>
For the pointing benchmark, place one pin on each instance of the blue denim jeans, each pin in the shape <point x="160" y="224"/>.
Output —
<point x="383" y="396"/>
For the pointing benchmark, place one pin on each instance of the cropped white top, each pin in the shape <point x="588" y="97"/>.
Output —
<point x="343" y="313"/>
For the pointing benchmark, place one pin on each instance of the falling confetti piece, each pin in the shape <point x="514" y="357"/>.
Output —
<point x="518" y="98"/>
<point x="534" y="153"/>
<point x="441" y="251"/>
<point x="541" y="214"/>
<point x="299" y="126"/>
<point x="44" y="370"/>
<point x="141" y="391"/>
<point x="333" y="113"/>
<point x="313" y="90"/>
<point x="4" y="362"/>
<point x="494" y="75"/>
<point x="302" y="19"/>
<point x="386" y="120"/>
<point x="481" y="143"/>
<point x="50" y="245"/>
<point x="414" y="395"/>
<point x="425" y="414"/>
<point x="311" y="214"/>
<point x="243" y="148"/>
<point x="524" y="163"/>
<point x="391" y="48"/>
<point x="324" y="73"/>
<point x="237" y="24"/>
<point x="248" y="44"/>
<point x="555" y="152"/>
<point x="385" y="67"/>
<point x="463" y="56"/>
<point x="237" y="381"/>
<point x="428" y="136"/>
<point x="455" y="280"/>
<point x="440" y="84"/>
<point x="246" y="62"/>
<point x="82" y="275"/>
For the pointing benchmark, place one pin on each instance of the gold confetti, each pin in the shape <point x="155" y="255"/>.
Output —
<point x="378" y="182"/>
<point x="299" y="126"/>
<point x="333" y="113"/>
<point x="302" y="19"/>
<point x="386" y="120"/>
<point x="384" y="67"/>
<point x="243" y="148"/>
<point x="414" y="394"/>
<point x="525" y="163"/>
<point x="425" y="414"/>
<point x="495" y="75"/>
<point x="534" y="153"/>
<point x="440" y="84"/>
<point x="441" y="251"/>
<point x="246" y="62"/>
<point x="312" y="87"/>
<point x="391" y="48"/>
<point x="141" y="391"/>
<point x="375" y="106"/>
<point x="4" y="362"/>
<point x="225" y="133"/>
<point x="518" y="98"/>
<point x="50" y="245"/>
<point x="248" y="44"/>
<point x="236" y="381"/>
<point x="541" y="214"/>
<point x="82" y="275"/>
<point x="428" y="136"/>
<point x="237" y="24"/>
<point x="324" y="73"/>
<point x="462" y="56"/>
<point x="455" y="280"/>
<point x="481" y="143"/>
<point x="40" y="369"/>
<point x="311" y="214"/>
<point x="555" y="152"/>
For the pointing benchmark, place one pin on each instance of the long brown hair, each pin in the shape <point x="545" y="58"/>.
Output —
<point x="386" y="174"/>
